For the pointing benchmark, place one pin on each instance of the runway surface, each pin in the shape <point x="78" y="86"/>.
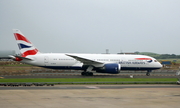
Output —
<point x="78" y="75"/>
<point x="87" y="87"/>
<point x="91" y="96"/>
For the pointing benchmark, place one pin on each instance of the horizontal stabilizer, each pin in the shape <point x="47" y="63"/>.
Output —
<point x="19" y="57"/>
<point x="24" y="58"/>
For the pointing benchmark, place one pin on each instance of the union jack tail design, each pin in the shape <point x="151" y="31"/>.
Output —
<point x="25" y="46"/>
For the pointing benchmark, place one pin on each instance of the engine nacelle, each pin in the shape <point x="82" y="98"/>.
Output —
<point x="112" y="68"/>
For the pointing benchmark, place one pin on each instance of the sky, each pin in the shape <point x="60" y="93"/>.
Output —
<point x="92" y="26"/>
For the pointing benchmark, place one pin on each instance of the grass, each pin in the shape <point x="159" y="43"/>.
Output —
<point x="89" y="80"/>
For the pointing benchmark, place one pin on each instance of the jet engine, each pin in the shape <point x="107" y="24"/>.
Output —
<point x="112" y="68"/>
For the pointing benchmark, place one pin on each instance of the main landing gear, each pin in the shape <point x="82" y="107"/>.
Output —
<point x="148" y="72"/>
<point x="87" y="72"/>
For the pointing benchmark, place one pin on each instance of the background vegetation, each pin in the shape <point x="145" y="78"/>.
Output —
<point x="160" y="56"/>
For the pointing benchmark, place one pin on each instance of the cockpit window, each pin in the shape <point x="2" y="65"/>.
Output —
<point x="155" y="61"/>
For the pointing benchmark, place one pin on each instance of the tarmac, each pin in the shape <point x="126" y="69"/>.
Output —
<point x="96" y="75"/>
<point x="91" y="96"/>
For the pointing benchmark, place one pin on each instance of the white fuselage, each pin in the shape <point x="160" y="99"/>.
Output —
<point x="103" y="63"/>
<point x="62" y="61"/>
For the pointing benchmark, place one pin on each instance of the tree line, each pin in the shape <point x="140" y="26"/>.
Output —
<point x="160" y="56"/>
<point x="168" y="56"/>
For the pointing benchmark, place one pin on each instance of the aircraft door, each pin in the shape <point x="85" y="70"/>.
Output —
<point x="46" y="60"/>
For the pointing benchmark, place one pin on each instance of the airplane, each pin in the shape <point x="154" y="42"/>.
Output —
<point x="101" y="63"/>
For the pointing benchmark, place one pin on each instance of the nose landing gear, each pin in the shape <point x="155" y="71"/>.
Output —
<point x="148" y="72"/>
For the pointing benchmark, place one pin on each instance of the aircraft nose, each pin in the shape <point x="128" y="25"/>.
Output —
<point x="160" y="65"/>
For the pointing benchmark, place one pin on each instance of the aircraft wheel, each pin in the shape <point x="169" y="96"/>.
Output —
<point x="83" y="73"/>
<point x="90" y="74"/>
<point x="148" y="74"/>
<point x="87" y="74"/>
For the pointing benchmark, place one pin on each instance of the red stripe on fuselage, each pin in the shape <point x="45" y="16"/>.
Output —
<point x="143" y="58"/>
<point x="20" y="37"/>
<point x="30" y="52"/>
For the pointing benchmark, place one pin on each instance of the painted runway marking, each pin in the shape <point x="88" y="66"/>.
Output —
<point x="92" y="87"/>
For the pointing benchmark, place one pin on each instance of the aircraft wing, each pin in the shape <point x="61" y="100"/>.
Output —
<point x="84" y="60"/>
